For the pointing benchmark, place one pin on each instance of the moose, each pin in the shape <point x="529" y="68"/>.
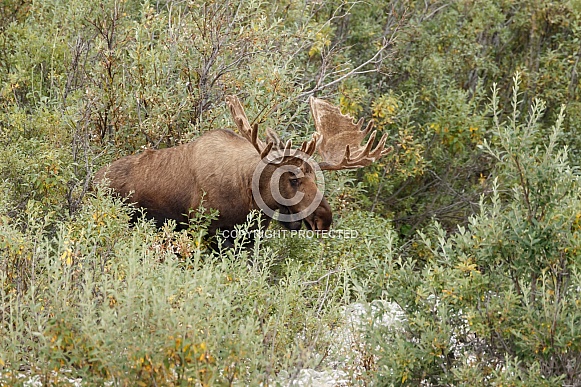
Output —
<point x="219" y="171"/>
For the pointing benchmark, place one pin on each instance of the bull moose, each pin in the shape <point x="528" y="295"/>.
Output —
<point x="220" y="169"/>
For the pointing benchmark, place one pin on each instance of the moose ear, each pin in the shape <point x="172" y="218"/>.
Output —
<point x="272" y="137"/>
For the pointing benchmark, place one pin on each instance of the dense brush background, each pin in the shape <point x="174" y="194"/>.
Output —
<point x="471" y="228"/>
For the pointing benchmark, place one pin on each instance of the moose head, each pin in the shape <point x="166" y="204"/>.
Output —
<point x="236" y="174"/>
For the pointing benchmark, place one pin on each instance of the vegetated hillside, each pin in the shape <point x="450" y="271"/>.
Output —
<point x="471" y="226"/>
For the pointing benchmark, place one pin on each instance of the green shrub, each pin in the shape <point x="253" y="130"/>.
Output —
<point x="111" y="303"/>
<point x="497" y="302"/>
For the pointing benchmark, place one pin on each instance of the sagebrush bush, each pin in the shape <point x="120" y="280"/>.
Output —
<point x="498" y="301"/>
<point x="109" y="302"/>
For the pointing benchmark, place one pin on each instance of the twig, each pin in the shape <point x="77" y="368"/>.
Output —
<point x="321" y="278"/>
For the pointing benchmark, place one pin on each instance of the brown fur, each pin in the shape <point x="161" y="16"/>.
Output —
<point x="217" y="167"/>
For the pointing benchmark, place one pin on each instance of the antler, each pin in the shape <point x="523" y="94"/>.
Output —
<point x="248" y="132"/>
<point x="273" y="141"/>
<point x="340" y="142"/>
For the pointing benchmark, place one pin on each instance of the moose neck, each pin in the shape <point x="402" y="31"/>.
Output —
<point x="264" y="188"/>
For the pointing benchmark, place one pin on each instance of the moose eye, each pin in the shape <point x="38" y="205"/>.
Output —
<point x="294" y="182"/>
